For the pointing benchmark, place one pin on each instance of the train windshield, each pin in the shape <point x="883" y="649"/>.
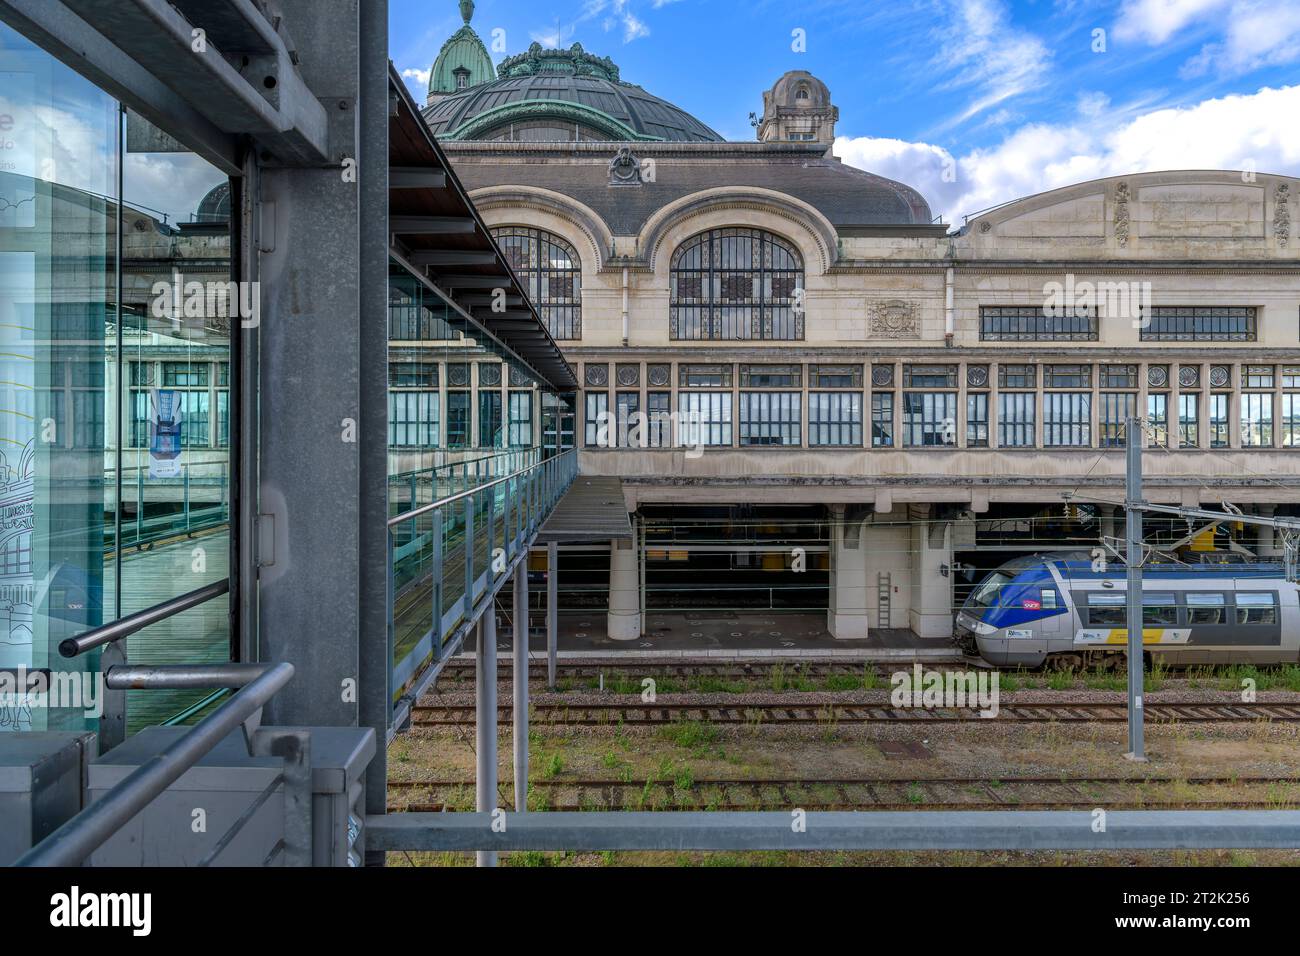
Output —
<point x="986" y="595"/>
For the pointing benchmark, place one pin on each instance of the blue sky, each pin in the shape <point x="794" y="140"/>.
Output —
<point x="973" y="102"/>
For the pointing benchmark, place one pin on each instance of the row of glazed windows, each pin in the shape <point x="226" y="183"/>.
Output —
<point x="929" y="419"/>
<point x="738" y="284"/>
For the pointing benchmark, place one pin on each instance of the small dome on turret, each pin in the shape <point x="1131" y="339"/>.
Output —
<point x="463" y="61"/>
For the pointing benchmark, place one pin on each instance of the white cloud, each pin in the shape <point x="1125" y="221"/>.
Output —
<point x="421" y="77"/>
<point x="1239" y="131"/>
<point x="980" y="50"/>
<point x="1252" y="33"/>
<point x="1155" y="21"/>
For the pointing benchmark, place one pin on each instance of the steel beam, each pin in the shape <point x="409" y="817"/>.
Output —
<point x="519" y="676"/>
<point x="272" y="103"/>
<point x="552" y="610"/>
<point x="432" y="225"/>
<point x="453" y="257"/>
<point x="840" y="830"/>
<point x="418" y="177"/>
<point x="318" y="494"/>
<point x="485" y="723"/>
<point x="73" y="41"/>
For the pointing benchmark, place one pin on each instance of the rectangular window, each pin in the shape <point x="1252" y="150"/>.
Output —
<point x="929" y="376"/>
<point x="1016" y="419"/>
<point x="770" y="418"/>
<point x="1256" y="420"/>
<point x="1159" y="609"/>
<point x="1158" y="415"/>
<point x="1068" y="376"/>
<point x="626" y="406"/>
<point x="1177" y="323"/>
<point x="1219" y="437"/>
<point x="1033" y="323"/>
<point x="835" y="418"/>
<point x="1114" y="412"/>
<point x="771" y="376"/>
<point x="597" y="431"/>
<point x="1291" y="420"/>
<point x="1206" y="608"/>
<point x="1106" y="610"/>
<point x="1291" y="376"/>
<point x="1119" y="376"/>
<point x="412" y="374"/>
<point x="1257" y="607"/>
<point x="1017" y="376"/>
<point x="882" y="420"/>
<point x="521" y="420"/>
<point x="835" y="376"/>
<point x="705" y="418"/>
<point x="929" y="419"/>
<point x="1189" y="426"/>
<point x="413" y="419"/>
<point x="977" y="420"/>
<point x="1067" y="419"/>
<point x="704" y="376"/>
<point x="1257" y="376"/>
<point x="659" y="422"/>
<point x="490" y="433"/>
<point x="458" y="419"/>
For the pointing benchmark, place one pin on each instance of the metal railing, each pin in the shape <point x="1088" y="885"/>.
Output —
<point x="126" y="626"/>
<point x="80" y="836"/>
<point x="446" y="556"/>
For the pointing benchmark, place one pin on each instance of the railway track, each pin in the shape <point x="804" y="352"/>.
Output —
<point x="779" y="712"/>
<point x="460" y="670"/>
<point x="1023" y="793"/>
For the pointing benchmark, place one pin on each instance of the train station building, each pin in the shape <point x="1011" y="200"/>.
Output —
<point x="302" y="380"/>
<point x="886" y="406"/>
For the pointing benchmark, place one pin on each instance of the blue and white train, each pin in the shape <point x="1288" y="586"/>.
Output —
<point x="1057" y="607"/>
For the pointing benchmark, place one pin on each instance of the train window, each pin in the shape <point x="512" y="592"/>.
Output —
<point x="1256" y="608"/>
<point x="1106" y="610"/>
<point x="1048" y="596"/>
<point x="1159" y="609"/>
<point x="1206" y="608"/>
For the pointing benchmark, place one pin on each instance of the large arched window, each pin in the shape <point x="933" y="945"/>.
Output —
<point x="550" y="271"/>
<point x="736" y="284"/>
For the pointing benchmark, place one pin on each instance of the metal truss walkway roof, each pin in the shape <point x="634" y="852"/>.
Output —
<point x="438" y="234"/>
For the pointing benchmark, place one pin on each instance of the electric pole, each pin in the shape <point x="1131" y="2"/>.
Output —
<point x="1133" y="504"/>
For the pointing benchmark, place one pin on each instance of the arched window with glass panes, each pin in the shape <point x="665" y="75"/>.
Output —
<point x="736" y="283"/>
<point x="550" y="270"/>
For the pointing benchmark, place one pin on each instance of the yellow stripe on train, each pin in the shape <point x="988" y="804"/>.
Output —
<point x="1119" y="635"/>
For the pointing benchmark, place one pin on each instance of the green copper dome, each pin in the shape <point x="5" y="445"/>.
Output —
<point x="544" y="95"/>
<point x="463" y="60"/>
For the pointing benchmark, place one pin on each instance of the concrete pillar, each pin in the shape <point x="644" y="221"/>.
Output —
<point x="887" y="546"/>
<point x="1107" y="513"/>
<point x="931" y="612"/>
<point x="846" y="614"/>
<point x="624" y="621"/>
<point x="1266" y="548"/>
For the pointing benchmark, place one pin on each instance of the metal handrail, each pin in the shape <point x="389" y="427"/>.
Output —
<point x="181" y="676"/>
<point x="125" y="626"/>
<point x="71" y="843"/>
<point x="461" y="495"/>
<point x="504" y="452"/>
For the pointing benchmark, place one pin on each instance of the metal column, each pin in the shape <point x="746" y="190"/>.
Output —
<point x="485" y="723"/>
<point x="1133" y="557"/>
<point x="552" y="610"/>
<point x="521" y="685"/>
